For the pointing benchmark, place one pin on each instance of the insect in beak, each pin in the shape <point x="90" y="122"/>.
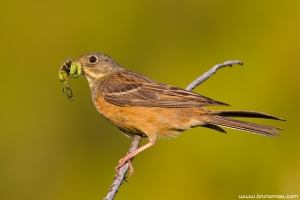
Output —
<point x="72" y="70"/>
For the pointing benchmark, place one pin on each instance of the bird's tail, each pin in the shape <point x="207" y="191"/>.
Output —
<point x="221" y="118"/>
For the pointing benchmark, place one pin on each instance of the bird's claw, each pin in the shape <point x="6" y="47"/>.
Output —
<point x="122" y="162"/>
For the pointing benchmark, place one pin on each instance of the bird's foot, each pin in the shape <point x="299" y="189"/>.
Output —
<point x="122" y="162"/>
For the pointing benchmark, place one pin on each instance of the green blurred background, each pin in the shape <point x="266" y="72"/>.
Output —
<point x="52" y="148"/>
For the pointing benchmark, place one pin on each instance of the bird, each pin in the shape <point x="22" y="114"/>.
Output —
<point x="138" y="105"/>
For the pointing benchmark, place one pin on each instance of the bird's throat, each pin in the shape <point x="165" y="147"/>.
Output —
<point x="93" y="77"/>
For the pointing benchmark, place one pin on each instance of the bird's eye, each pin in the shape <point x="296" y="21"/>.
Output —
<point x="93" y="59"/>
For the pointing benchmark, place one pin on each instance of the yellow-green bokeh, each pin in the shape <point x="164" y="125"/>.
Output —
<point x="52" y="148"/>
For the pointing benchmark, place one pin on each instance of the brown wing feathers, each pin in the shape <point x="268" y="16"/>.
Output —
<point x="127" y="88"/>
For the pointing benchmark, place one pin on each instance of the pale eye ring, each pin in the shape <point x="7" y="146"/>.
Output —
<point x="93" y="59"/>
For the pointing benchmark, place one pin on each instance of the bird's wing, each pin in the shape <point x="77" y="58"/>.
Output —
<point x="126" y="88"/>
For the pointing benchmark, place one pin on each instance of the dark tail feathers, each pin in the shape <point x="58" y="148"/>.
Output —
<point x="221" y="119"/>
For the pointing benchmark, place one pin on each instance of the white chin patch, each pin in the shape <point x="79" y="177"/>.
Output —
<point x="93" y="75"/>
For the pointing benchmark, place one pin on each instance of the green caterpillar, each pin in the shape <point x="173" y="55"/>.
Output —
<point x="69" y="69"/>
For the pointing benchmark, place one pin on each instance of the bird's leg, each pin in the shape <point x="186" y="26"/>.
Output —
<point x="127" y="158"/>
<point x="209" y="73"/>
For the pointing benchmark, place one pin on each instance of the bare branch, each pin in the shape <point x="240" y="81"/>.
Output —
<point x="209" y="73"/>
<point x="121" y="175"/>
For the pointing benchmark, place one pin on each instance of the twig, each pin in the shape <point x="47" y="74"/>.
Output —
<point x="208" y="74"/>
<point x="121" y="175"/>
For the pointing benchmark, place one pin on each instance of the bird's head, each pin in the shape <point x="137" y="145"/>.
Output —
<point x="94" y="66"/>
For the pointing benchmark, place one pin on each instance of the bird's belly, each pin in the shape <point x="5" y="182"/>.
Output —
<point x="155" y="122"/>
